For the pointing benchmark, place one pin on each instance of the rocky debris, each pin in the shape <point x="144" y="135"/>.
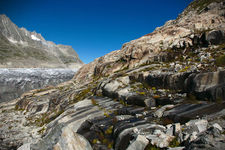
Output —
<point x="200" y="124"/>
<point x="211" y="139"/>
<point x="15" y="82"/>
<point x="160" y="139"/>
<point x="13" y="128"/>
<point x="24" y="49"/>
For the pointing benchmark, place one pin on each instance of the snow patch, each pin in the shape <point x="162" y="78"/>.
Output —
<point x="35" y="38"/>
<point x="12" y="40"/>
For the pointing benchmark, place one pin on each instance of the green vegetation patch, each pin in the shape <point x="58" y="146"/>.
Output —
<point x="220" y="61"/>
<point x="202" y="4"/>
<point x="174" y="143"/>
<point x="152" y="147"/>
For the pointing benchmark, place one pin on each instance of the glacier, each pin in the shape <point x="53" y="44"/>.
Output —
<point x="15" y="81"/>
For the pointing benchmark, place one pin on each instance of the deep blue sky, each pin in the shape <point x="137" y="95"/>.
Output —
<point x="92" y="27"/>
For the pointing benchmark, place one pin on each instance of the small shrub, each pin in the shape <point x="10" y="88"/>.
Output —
<point x="94" y="102"/>
<point x="184" y="69"/>
<point x="109" y="130"/>
<point x="83" y="94"/>
<point x="122" y="102"/>
<point x="140" y="93"/>
<point x="94" y="141"/>
<point x="223" y="132"/>
<point x="219" y="100"/>
<point x="191" y="99"/>
<point x="106" y="114"/>
<point x="174" y="142"/>
<point x="17" y="107"/>
<point x="166" y="121"/>
<point x="42" y="130"/>
<point x="104" y="141"/>
<point x="220" y="61"/>
<point x="110" y="145"/>
<point x="151" y="147"/>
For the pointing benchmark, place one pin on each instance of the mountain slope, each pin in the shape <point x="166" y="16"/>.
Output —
<point x="194" y="27"/>
<point x="20" y="48"/>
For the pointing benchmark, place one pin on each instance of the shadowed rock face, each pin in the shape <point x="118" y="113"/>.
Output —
<point x="14" y="82"/>
<point x="207" y="85"/>
<point x="153" y="92"/>
<point x="20" y="48"/>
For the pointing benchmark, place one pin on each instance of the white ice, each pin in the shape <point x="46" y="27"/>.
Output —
<point x="35" y="38"/>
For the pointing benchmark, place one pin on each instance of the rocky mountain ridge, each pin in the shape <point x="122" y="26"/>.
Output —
<point x="165" y="90"/>
<point x="20" y="48"/>
<point x="189" y="30"/>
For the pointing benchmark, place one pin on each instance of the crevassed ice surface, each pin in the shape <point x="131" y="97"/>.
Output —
<point x="14" y="82"/>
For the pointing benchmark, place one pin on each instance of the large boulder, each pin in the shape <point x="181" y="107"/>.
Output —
<point x="141" y="101"/>
<point x="215" y="37"/>
<point x="139" y="143"/>
<point x="209" y="85"/>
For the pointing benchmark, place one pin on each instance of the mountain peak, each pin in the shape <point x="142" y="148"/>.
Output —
<point x="29" y="49"/>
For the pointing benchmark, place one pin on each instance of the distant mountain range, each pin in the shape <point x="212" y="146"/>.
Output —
<point x="20" y="48"/>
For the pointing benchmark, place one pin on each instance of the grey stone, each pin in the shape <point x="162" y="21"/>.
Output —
<point x="123" y="117"/>
<point x="200" y="124"/>
<point x="139" y="143"/>
<point x="216" y="125"/>
<point x="24" y="147"/>
<point x="176" y="148"/>
<point x="160" y="139"/>
<point x="141" y="101"/>
<point x="173" y="129"/>
<point x="207" y="85"/>
<point x="215" y="37"/>
<point x="160" y="111"/>
<point x="210" y="140"/>
<point x="169" y="129"/>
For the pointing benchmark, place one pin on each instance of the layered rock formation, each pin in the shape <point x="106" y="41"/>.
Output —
<point x="20" y="48"/>
<point x="162" y="91"/>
